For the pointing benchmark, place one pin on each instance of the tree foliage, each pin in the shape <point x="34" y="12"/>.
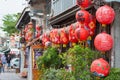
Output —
<point x="9" y="22"/>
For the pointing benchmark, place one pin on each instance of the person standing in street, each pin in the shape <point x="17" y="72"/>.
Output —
<point x="8" y="61"/>
<point x="3" y="59"/>
<point x="1" y="66"/>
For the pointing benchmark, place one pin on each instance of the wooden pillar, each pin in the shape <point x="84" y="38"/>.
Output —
<point x="44" y="17"/>
<point x="30" y="77"/>
<point x="34" y="25"/>
<point x="22" y="61"/>
<point x="115" y="32"/>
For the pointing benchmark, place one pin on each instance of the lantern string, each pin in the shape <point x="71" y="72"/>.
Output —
<point x="98" y="78"/>
<point x="82" y="8"/>
<point x="103" y="25"/>
<point x="103" y="52"/>
<point x="103" y="29"/>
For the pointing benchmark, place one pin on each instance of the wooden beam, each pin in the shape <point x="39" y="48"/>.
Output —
<point x="32" y="42"/>
<point x="37" y="46"/>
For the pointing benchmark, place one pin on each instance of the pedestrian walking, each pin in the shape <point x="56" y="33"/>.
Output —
<point x="3" y="59"/>
<point x="8" y="61"/>
<point x="1" y="65"/>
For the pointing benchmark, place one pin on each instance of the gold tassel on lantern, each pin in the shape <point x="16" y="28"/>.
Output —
<point x="64" y="45"/>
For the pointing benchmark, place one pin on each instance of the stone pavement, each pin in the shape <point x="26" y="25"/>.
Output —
<point x="10" y="75"/>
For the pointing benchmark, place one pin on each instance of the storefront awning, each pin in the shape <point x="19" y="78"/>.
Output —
<point x="23" y="19"/>
<point x="4" y="50"/>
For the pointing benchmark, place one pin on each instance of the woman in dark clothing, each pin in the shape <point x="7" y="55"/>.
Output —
<point x="8" y="62"/>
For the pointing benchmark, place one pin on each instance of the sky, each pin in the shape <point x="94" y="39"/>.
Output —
<point x="10" y="7"/>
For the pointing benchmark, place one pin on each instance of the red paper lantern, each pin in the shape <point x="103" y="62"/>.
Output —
<point x="76" y="25"/>
<point x="30" y="33"/>
<point x="72" y="37"/>
<point x="37" y="34"/>
<point x="91" y="25"/>
<point x="45" y="38"/>
<point x="26" y="36"/>
<point x="103" y="42"/>
<point x="83" y="3"/>
<point x="63" y="36"/>
<point x="29" y="38"/>
<point x="38" y="28"/>
<point x="105" y="14"/>
<point x="26" y="29"/>
<point x="83" y="16"/>
<point x="56" y="36"/>
<point x="81" y="34"/>
<point x="100" y="67"/>
<point x="52" y="36"/>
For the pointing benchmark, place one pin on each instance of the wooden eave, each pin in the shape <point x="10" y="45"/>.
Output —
<point x="66" y="14"/>
<point x="23" y="19"/>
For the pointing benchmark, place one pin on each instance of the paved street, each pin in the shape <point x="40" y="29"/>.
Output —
<point x="10" y="75"/>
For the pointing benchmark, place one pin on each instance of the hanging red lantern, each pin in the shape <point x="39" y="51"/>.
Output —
<point x="47" y="44"/>
<point x="81" y="34"/>
<point x="103" y="42"/>
<point x="37" y="34"/>
<point x="52" y="36"/>
<point x="30" y="33"/>
<point x="26" y="36"/>
<point x="63" y="36"/>
<point x="83" y="3"/>
<point x="105" y="14"/>
<point x="29" y="38"/>
<point x="38" y="28"/>
<point x="83" y="16"/>
<point x="91" y="25"/>
<point x="56" y="36"/>
<point x="76" y="25"/>
<point x="26" y="29"/>
<point x="72" y="37"/>
<point x="92" y="32"/>
<point x="45" y="38"/>
<point x="100" y="67"/>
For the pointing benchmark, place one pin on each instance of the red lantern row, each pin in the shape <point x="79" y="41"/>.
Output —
<point x="73" y="33"/>
<point x="83" y="28"/>
<point x="28" y="31"/>
<point x="45" y="38"/>
<point x="103" y="41"/>
<point x="38" y="31"/>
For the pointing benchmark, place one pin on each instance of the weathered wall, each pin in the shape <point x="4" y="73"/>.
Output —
<point x="116" y="35"/>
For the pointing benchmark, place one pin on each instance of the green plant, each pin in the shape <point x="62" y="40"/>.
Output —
<point x="49" y="59"/>
<point x="80" y="58"/>
<point x="114" y="74"/>
<point x="57" y="74"/>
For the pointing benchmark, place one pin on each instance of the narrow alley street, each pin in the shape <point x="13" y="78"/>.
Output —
<point x="10" y="75"/>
